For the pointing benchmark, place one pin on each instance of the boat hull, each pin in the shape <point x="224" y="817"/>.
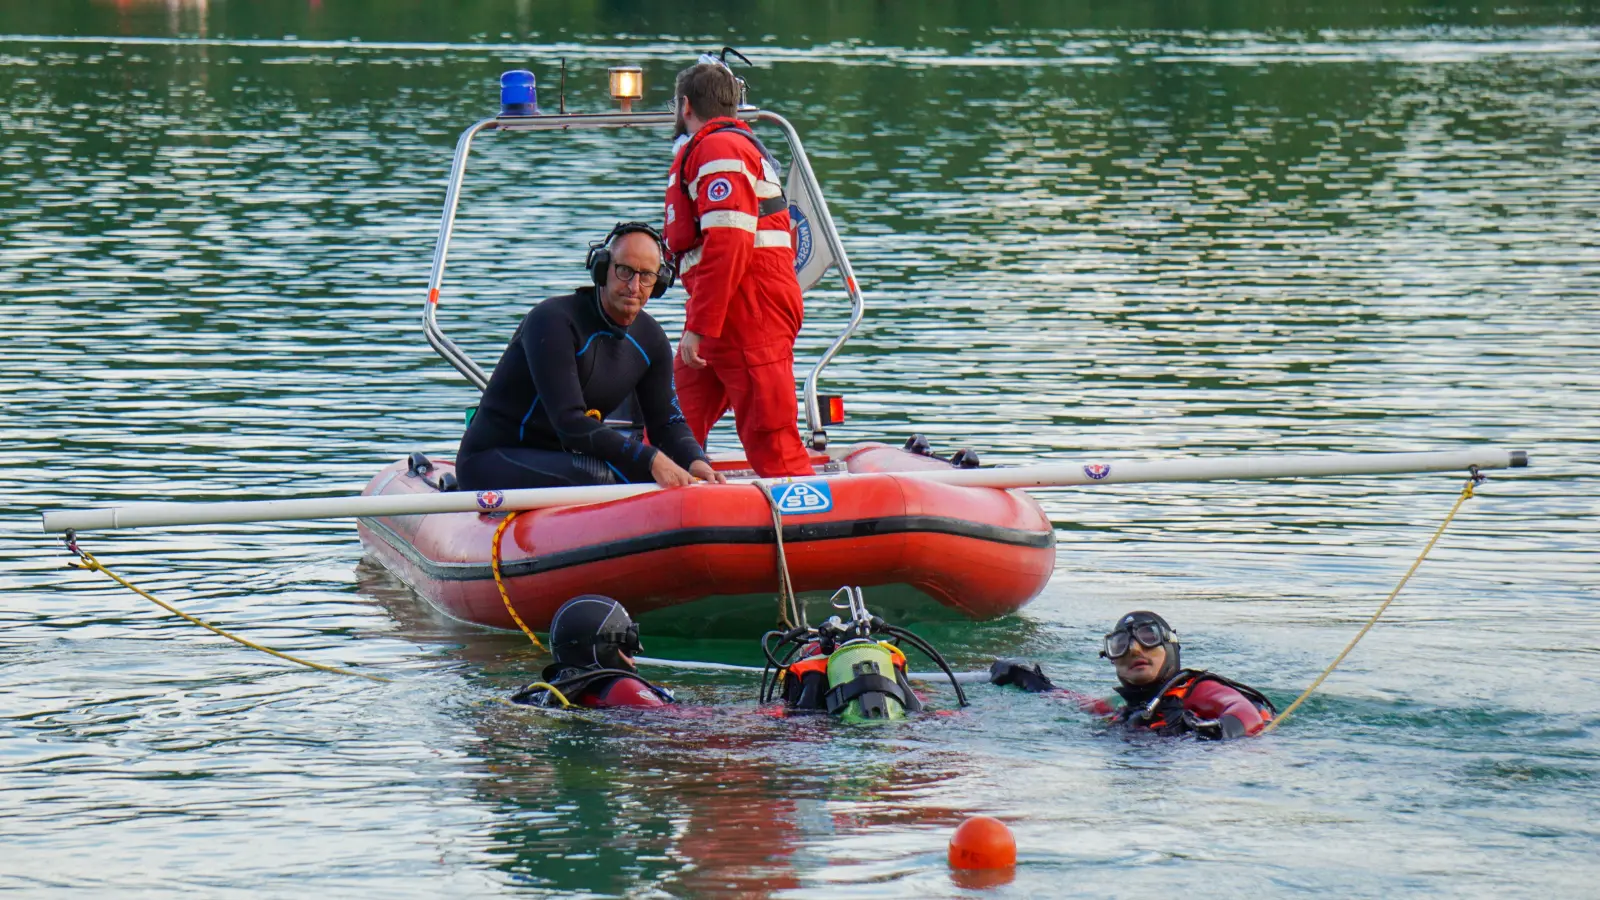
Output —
<point x="706" y="555"/>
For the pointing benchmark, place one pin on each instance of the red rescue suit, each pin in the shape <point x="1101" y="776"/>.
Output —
<point x="728" y="227"/>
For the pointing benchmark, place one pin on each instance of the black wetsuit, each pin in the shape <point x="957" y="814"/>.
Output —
<point x="565" y="359"/>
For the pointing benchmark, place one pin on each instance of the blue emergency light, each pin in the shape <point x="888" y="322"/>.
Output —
<point x="518" y="94"/>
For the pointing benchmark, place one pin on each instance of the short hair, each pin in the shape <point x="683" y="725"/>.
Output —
<point x="652" y="237"/>
<point x="711" y="88"/>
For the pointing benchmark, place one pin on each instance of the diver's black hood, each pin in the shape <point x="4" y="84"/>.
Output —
<point x="586" y="633"/>
<point x="1139" y="695"/>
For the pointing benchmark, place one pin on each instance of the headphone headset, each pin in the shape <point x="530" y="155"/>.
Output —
<point x="599" y="260"/>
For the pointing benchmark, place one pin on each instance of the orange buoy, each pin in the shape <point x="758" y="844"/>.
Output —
<point x="982" y="842"/>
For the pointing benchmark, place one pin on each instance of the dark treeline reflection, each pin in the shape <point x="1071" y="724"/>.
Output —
<point x="954" y="24"/>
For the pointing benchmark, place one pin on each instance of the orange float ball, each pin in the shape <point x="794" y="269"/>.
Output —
<point x="982" y="842"/>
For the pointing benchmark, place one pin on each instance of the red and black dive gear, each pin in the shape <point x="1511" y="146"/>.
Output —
<point x="593" y="688"/>
<point x="1179" y="700"/>
<point x="855" y="669"/>
<point x="592" y="638"/>
<point x="1201" y="703"/>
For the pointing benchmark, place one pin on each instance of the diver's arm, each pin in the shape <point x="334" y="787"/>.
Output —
<point x="1231" y="710"/>
<point x="1030" y="677"/>
<point x="629" y="692"/>
<point x="1099" y="706"/>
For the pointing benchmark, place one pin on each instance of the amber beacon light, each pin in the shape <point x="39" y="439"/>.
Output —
<point x="627" y="85"/>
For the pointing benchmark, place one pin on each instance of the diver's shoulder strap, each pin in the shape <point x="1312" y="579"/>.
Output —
<point x="1254" y="696"/>
<point x="572" y="681"/>
<point x="840" y="697"/>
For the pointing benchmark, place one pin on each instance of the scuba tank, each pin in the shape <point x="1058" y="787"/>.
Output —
<point x="867" y="680"/>
<point x="854" y="670"/>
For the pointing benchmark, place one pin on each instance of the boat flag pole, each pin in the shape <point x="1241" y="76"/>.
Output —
<point x="1034" y="477"/>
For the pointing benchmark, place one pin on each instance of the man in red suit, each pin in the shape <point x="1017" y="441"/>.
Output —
<point x="727" y="222"/>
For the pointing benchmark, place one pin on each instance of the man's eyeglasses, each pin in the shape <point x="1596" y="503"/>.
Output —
<point x="627" y="273"/>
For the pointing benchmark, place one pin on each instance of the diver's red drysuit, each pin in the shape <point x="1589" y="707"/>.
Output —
<point x="620" y="692"/>
<point x="1201" y="703"/>
<point x="592" y="689"/>
<point x="727" y="222"/>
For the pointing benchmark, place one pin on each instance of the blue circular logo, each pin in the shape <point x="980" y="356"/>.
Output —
<point x="802" y="237"/>
<point x="719" y="190"/>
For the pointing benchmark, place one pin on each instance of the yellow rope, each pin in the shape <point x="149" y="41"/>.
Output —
<point x="790" y="613"/>
<point x="93" y="565"/>
<point x="1466" y="494"/>
<point x="494" y="566"/>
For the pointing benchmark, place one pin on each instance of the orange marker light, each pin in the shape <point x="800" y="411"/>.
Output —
<point x="982" y="842"/>
<point x="832" y="410"/>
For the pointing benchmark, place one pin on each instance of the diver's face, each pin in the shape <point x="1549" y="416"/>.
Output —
<point x="624" y="299"/>
<point x="1141" y="665"/>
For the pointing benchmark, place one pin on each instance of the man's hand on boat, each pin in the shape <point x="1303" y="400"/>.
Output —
<point x="669" y="474"/>
<point x="689" y="350"/>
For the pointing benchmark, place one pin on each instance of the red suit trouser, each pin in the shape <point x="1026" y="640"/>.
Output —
<point x="764" y="410"/>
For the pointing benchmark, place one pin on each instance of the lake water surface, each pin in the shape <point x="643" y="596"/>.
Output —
<point x="1127" y="233"/>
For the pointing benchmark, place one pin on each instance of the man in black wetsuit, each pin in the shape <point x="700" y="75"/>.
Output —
<point x="573" y="359"/>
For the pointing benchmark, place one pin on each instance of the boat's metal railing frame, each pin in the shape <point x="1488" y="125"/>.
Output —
<point x="458" y="170"/>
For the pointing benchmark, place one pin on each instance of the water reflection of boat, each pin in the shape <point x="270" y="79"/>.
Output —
<point x="717" y="797"/>
<point x="710" y="551"/>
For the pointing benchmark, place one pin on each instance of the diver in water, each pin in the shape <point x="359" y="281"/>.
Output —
<point x="854" y="670"/>
<point x="594" y="641"/>
<point x="1160" y="696"/>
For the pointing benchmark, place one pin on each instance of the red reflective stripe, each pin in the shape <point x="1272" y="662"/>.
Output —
<point x="433" y="296"/>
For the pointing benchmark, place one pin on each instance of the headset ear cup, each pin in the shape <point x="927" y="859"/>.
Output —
<point x="666" y="276"/>
<point x="599" y="262"/>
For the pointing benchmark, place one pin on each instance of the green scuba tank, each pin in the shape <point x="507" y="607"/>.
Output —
<point x="862" y="683"/>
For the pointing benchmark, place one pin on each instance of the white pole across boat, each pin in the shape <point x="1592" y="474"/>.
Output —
<point x="1048" y="475"/>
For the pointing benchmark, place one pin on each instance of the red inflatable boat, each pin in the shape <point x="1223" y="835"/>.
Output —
<point x="708" y="552"/>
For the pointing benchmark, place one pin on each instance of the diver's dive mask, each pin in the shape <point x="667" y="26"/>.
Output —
<point x="626" y="640"/>
<point x="1150" y="635"/>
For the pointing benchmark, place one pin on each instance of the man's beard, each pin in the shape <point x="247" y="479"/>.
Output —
<point x="680" y="127"/>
